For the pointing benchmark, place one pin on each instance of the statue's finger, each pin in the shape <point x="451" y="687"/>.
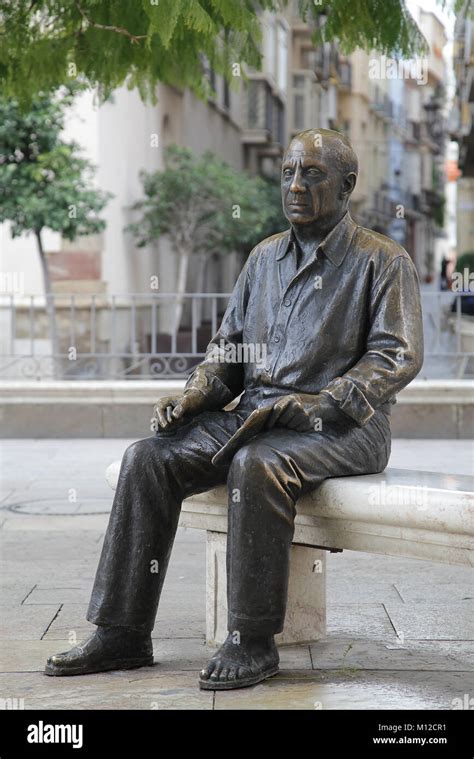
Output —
<point x="277" y="411"/>
<point x="178" y="411"/>
<point x="161" y="416"/>
<point x="306" y="422"/>
<point x="288" y="417"/>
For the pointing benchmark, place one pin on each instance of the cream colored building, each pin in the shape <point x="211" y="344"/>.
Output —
<point x="463" y="131"/>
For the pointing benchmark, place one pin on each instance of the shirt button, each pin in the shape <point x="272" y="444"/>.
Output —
<point x="287" y="302"/>
<point x="276" y="339"/>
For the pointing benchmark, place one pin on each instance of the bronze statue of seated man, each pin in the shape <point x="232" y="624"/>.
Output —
<point x="336" y="309"/>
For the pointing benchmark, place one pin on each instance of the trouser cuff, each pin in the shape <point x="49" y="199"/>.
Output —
<point x="258" y="626"/>
<point x="98" y="618"/>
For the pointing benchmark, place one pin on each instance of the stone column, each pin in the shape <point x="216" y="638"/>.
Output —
<point x="306" y="609"/>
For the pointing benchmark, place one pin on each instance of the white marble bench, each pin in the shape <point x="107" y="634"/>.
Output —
<point x="418" y="515"/>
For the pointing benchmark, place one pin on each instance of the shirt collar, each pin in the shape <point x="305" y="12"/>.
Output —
<point x="335" y="245"/>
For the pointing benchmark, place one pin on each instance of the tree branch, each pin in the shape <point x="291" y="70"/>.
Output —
<point x="117" y="29"/>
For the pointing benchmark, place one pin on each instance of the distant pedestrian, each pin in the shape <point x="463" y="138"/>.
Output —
<point x="444" y="282"/>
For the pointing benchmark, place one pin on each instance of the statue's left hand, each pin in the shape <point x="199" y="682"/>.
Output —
<point x="294" y="413"/>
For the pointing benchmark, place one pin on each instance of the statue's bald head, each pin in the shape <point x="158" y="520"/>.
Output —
<point x="318" y="176"/>
<point x="328" y="143"/>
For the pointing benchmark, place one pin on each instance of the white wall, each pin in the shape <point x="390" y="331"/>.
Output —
<point x="126" y="130"/>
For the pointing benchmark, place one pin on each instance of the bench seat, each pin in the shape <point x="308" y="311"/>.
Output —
<point x="400" y="512"/>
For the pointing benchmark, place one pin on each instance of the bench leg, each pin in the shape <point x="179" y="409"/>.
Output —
<point x="306" y="608"/>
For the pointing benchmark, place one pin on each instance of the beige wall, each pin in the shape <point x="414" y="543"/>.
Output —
<point x="465" y="215"/>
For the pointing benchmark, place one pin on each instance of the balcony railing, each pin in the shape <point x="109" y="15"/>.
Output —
<point x="126" y="337"/>
<point x="345" y="74"/>
<point x="263" y="113"/>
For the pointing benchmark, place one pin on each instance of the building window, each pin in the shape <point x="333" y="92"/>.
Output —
<point x="259" y="105"/>
<point x="270" y="46"/>
<point x="226" y="95"/>
<point x="268" y="110"/>
<point x="282" y="42"/>
<point x="280" y="127"/>
<point x="212" y="78"/>
<point x="298" y="111"/>
<point x="253" y="100"/>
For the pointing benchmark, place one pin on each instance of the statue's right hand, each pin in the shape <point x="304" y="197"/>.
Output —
<point x="170" y="409"/>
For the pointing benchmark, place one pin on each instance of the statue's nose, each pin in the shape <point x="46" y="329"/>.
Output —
<point x="297" y="184"/>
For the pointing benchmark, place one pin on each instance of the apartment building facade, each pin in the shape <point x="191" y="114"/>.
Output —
<point x="462" y="130"/>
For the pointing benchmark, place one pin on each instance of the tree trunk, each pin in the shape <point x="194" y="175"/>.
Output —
<point x="183" y="266"/>
<point x="200" y="281"/>
<point x="50" y="309"/>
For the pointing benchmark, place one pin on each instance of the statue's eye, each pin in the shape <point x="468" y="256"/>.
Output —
<point x="287" y="172"/>
<point x="313" y="172"/>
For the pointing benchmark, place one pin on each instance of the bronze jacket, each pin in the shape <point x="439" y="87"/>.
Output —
<point x="347" y="323"/>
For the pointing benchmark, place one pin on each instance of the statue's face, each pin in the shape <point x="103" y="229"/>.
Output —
<point x="312" y="187"/>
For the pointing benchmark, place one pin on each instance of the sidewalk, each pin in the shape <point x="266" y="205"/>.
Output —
<point x="399" y="635"/>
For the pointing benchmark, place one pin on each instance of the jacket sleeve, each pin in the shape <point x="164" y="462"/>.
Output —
<point x="220" y="376"/>
<point x="394" y="353"/>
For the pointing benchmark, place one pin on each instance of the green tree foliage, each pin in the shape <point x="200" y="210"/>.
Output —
<point x="47" y="43"/>
<point x="466" y="261"/>
<point x="206" y="208"/>
<point x="44" y="181"/>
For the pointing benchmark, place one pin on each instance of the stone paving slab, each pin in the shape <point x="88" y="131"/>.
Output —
<point x="70" y="619"/>
<point x="352" y="590"/>
<point x="448" y="621"/>
<point x="49" y="571"/>
<point x="38" y="486"/>
<point x="359" y="690"/>
<point x="15" y="595"/>
<point x="54" y="506"/>
<point x="360" y="619"/>
<point x="460" y="590"/>
<point x="115" y="690"/>
<point x="5" y="493"/>
<point x="342" y="653"/>
<point x="415" y="573"/>
<point x="49" y="524"/>
<point x="187" y="622"/>
<point x="26" y="622"/>
<point x="63" y="595"/>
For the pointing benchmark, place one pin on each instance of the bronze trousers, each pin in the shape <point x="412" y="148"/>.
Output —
<point x="265" y="478"/>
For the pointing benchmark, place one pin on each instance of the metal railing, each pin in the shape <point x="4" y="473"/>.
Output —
<point x="129" y="336"/>
<point x="106" y="336"/>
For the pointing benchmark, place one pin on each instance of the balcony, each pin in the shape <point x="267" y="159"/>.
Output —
<point x="414" y="132"/>
<point x="303" y="102"/>
<point x="321" y="63"/>
<point x="345" y="75"/>
<point x="263" y="114"/>
<point x="382" y="104"/>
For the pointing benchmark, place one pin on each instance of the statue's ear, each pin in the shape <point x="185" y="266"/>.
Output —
<point x="348" y="183"/>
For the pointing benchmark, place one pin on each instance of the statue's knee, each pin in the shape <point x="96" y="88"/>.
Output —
<point x="257" y="467"/>
<point x="138" y="454"/>
<point x="253" y="462"/>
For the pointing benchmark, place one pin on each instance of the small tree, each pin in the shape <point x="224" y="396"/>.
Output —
<point x="44" y="182"/>
<point x="205" y="207"/>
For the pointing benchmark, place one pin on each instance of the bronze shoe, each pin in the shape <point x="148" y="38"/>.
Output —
<point x="106" y="649"/>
